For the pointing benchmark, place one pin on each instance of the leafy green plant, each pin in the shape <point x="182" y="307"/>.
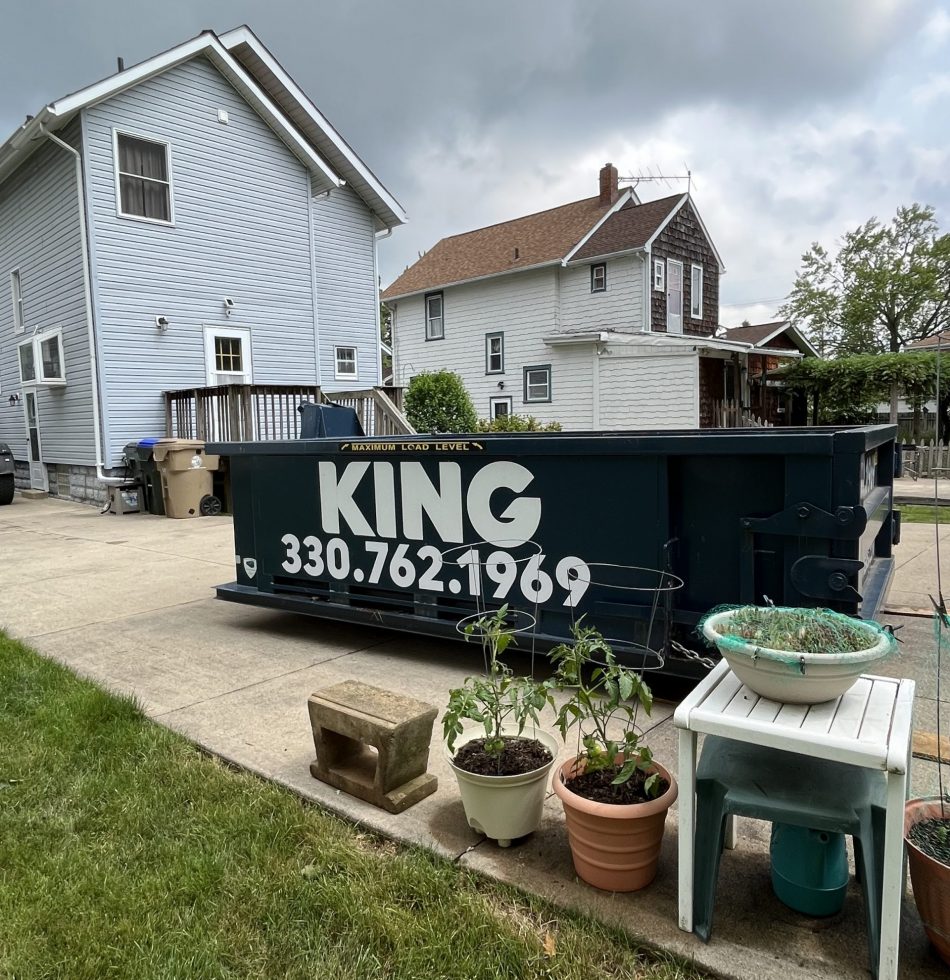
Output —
<point x="436" y="401"/>
<point x="602" y="692"/>
<point x="517" y="423"/>
<point x="497" y="698"/>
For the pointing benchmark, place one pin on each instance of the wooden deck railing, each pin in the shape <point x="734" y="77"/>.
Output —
<point x="242" y="413"/>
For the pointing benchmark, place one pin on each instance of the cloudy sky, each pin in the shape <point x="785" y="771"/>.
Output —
<point x="799" y="120"/>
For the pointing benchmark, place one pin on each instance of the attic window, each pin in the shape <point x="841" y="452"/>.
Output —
<point x="598" y="278"/>
<point x="144" y="182"/>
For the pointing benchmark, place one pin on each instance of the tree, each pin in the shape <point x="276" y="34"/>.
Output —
<point x="386" y="336"/>
<point x="888" y="286"/>
<point x="437" y="401"/>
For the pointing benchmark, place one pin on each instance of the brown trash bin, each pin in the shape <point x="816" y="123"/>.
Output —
<point x="186" y="488"/>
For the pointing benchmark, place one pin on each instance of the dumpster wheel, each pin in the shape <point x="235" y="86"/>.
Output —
<point x="210" y="506"/>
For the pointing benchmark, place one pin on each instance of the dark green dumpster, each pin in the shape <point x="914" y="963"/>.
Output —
<point x="140" y="462"/>
<point x="415" y="532"/>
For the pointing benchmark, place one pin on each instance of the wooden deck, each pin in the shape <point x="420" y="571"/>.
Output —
<point x="245" y="413"/>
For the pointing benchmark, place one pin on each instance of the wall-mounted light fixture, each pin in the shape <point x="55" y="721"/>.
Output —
<point x="228" y="305"/>
<point x="501" y="385"/>
<point x="13" y="399"/>
<point x="161" y="322"/>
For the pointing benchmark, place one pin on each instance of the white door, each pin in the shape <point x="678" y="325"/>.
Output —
<point x="39" y="478"/>
<point x="674" y="296"/>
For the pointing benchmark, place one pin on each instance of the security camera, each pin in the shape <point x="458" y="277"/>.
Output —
<point x="161" y="322"/>
<point x="228" y="305"/>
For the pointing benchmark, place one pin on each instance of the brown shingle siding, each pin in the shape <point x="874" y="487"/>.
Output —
<point x="683" y="240"/>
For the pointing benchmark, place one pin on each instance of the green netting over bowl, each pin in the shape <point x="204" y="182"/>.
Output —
<point x="793" y="630"/>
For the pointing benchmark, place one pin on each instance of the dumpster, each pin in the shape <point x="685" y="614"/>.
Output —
<point x="142" y="469"/>
<point x="7" y="474"/>
<point x="187" y="481"/>
<point x="334" y="421"/>
<point x="416" y="532"/>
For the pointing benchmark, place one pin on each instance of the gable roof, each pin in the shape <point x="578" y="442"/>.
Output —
<point x="759" y="335"/>
<point x="58" y="114"/>
<point x="630" y="228"/>
<point x="540" y="239"/>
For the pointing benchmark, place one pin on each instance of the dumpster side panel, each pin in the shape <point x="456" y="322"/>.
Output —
<point x="418" y="533"/>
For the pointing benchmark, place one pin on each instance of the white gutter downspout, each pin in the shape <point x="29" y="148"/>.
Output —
<point x="377" y="238"/>
<point x="87" y="294"/>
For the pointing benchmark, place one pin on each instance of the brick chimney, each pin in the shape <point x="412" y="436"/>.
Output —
<point x="609" y="191"/>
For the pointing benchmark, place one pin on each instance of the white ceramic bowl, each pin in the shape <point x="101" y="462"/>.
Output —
<point x="797" y="678"/>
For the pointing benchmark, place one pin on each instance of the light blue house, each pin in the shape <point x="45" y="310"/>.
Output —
<point x="191" y="221"/>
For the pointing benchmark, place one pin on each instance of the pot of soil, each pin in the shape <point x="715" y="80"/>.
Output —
<point x="927" y="835"/>
<point x="615" y="796"/>
<point x="615" y="832"/>
<point x="503" y="793"/>
<point x="796" y="656"/>
<point x="502" y="770"/>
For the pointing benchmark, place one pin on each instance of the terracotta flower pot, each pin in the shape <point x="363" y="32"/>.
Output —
<point x="615" y="847"/>
<point x="930" y="878"/>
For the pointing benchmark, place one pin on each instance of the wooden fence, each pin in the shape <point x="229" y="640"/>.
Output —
<point x="730" y="415"/>
<point x="930" y="460"/>
<point x="242" y="413"/>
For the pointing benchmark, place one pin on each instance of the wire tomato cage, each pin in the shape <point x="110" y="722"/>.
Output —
<point x="656" y="586"/>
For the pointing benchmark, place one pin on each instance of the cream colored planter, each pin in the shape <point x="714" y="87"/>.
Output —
<point x="504" y="808"/>
<point x="797" y="678"/>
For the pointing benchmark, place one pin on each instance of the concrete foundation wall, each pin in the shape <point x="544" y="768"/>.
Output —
<point x="77" y="483"/>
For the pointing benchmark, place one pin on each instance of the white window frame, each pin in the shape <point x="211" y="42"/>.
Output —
<point x="211" y="369"/>
<point x="497" y="400"/>
<point x="116" y="133"/>
<point x="695" y="309"/>
<point x="528" y="371"/>
<point x="16" y="297"/>
<point x="659" y="275"/>
<point x="429" y="319"/>
<point x="500" y="353"/>
<point x="36" y="344"/>
<point x="346" y="375"/>
<point x="602" y="267"/>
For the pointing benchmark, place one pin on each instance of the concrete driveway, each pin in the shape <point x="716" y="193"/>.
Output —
<point x="128" y="601"/>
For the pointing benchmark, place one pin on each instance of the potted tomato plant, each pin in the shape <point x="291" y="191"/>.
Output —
<point x="615" y="795"/>
<point x="504" y="758"/>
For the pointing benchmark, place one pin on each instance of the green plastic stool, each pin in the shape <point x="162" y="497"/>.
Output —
<point x="741" y="779"/>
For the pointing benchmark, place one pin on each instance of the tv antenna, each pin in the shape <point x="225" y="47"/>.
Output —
<point x="635" y="179"/>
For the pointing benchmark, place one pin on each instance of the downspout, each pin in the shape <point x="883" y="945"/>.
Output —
<point x="90" y="327"/>
<point x="377" y="238"/>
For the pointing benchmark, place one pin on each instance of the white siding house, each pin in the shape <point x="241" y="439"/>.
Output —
<point x="188" y="222"/>
<point x="599" y="314"/>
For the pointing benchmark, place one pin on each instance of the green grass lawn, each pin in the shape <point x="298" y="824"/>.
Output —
<point x="126" y="853"/>
<point x="923" y="513"/>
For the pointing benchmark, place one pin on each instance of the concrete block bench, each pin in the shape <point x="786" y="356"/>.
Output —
<point x="372" y="744"/>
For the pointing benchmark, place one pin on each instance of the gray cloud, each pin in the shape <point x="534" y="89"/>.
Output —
<point x="476" y="112"/>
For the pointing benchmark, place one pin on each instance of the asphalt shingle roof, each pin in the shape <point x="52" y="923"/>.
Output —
<point x="629" y="228"/>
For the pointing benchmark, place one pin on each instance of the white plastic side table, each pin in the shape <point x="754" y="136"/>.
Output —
<point x="868" y="726"/>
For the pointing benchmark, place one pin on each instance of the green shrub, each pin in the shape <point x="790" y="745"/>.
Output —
<point x="517" y="423"/>
<point x="436" y="401"/>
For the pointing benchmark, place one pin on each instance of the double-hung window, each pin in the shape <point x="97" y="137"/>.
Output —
<point x="16" y="296"/>
<point x="494" y="353"/>
<point x="659" y="275"/>
<point x="537" y="383"/>
<point x="696" y="292"/>
<point x="598" y="278"/>
<point x="345" y="362"/>
<point x="435" y="319"/>
<point x="500" y="406"/>
<point x="143" y="176"/>
<point x="41" y="359"/>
